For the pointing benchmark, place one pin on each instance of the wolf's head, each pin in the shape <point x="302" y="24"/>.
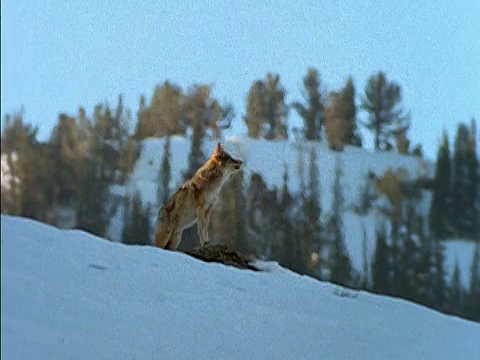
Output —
<point x="230" y="164"/>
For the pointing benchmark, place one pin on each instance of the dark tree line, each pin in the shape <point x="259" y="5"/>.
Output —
<point x="455" y="208"/>
<point x="73" y="170"/>
<point x="413" y="269"/>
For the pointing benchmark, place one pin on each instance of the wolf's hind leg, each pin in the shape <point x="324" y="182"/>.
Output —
<point x="202" y="226"/>
<point x="207" y="221"/>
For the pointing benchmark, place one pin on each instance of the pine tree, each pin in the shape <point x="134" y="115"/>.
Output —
<point x="396" y="266"/>
<point x="137" y="227"/>
<point x="127" y="219"/>
<point x="303" y="226"/>
<point x="141" y="131"/>
<point x="399" y="133"/>
<point x="472" y="187"/>
<point x="201" y="110"/>
<point x="312" y="229"/>
<point x="288" y="244"/>
<point x="262" y="221"/>
<point x="237" y="206"/>
<point x="473" y="298"/>
<point x="109" y="138"/>
<point x="461" y="197"/>
<point x="164" y="175"/>
<point x="196" y="158"/>
<point x="68" y="150"/>
<point x="348" y="94"/>
<point x="340" y="268"/>
<point x="166" y="111"/>
<point x="92" y="213"/>
<point x="456" y="294"/>
<point x="145" y="237"/>
<point x="107" y="142"/>
<point x="439" y="286"/>
<point x="381" y="264"/>
<point x="130" y="154"/>
<point x="439" y="208"/>
<point x="41" y="171"/>
<point x="277" y="109"/>
<point x="172" y="111"/>
<point x="340" y="118"/>
<point x="312" y="205"/>
<point x="164" y="116"/>
<point x="254" y="192"/>
<point x="229" y="217"/>
<point x="382" y="100"/>
<point x="289" y="252"/>
<point x="312" y="113"/>
<point x="267" y="112"/>
<point x="406" y="234"/>
<point x="365" y="281"/>
<point x="256" y="108"/>
<point x="70" y="141"/>
<point x="409" y="232"/>
<point x="16" y="132"/>
<point x="406" y="287"/>
<point x="300" y="169"/>
<point x="30" y="165"/>
<point x="341" y="271"/>
<point x="424" y="284"/>
<point x="118" y="139"/>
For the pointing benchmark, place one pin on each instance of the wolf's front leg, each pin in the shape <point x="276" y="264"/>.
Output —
<point x="174" y="240"/>
<point x="202" y="226"/>
<point x="207" y="220"/>
<point x="162" y="236"/>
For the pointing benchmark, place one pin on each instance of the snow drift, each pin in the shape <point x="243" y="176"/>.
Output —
<point x="70" y="295"/>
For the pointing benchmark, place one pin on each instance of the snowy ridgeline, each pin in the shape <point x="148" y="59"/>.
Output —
<point x="269" y="159"/>
<point x="69" y="295"/>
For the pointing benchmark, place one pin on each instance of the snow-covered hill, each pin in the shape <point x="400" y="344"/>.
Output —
<point x="269" y="158"/>
<point x="69" y="295"/>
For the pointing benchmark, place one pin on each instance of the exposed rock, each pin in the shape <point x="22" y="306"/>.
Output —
<point x="222" y="254"/>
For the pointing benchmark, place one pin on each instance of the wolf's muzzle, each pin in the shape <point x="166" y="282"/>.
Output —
<point x="238" y="164"/>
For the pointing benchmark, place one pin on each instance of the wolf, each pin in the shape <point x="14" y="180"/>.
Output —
<point x="194" y="200"/>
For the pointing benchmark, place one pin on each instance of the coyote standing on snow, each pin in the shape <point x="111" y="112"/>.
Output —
<point x="194" y="200"/>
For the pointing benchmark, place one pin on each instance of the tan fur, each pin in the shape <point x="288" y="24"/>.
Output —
<point x="194" y="200"/>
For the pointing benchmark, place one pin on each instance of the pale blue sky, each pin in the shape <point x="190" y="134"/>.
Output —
<point x="59" y="55"/>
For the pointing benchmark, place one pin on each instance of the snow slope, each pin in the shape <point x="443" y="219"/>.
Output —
<point x="70" y="295"/>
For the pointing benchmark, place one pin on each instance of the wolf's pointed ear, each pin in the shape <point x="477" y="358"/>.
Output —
<point x="218" y="149"/>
